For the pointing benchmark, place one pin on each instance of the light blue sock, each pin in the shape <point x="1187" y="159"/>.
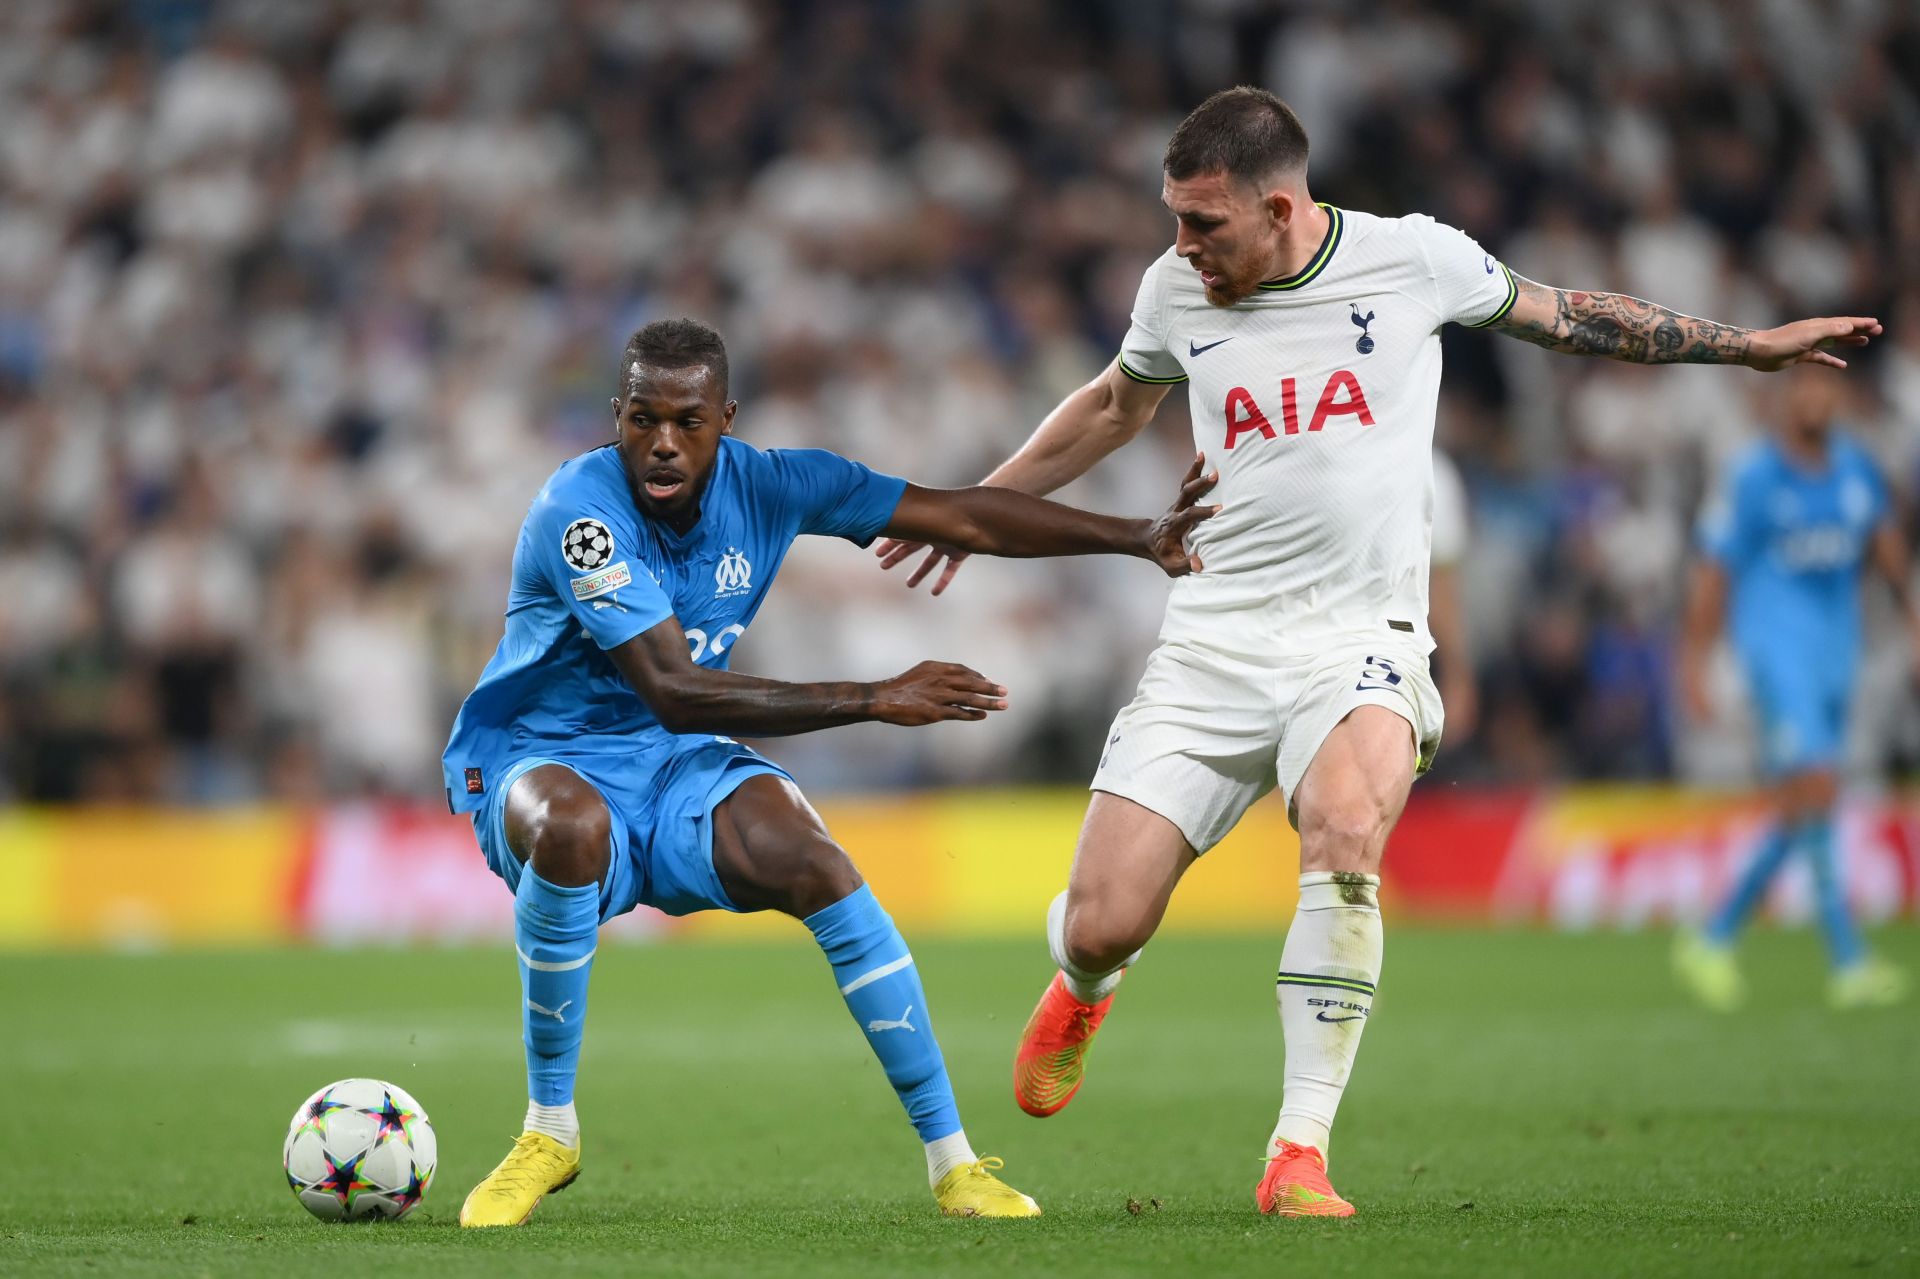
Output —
<point x="555" y="931"/>
<point x="877" y="978"/>
<point x="1752" y="884"/>
<point x="1830" y="897"/>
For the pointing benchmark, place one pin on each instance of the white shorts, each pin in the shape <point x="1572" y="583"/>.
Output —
<point x="1210" y="732"/>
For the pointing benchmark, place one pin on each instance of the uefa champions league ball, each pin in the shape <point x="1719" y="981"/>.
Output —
<point x="360" y="1148"/>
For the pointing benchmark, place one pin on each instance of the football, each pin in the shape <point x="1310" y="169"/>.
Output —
<point x="359" y="1148"/>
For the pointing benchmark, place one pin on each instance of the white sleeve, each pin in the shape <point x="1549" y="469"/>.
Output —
<point x="1471" y="287"/>
<point x="1144" y="355"/>
<point x="1449" y="512"/>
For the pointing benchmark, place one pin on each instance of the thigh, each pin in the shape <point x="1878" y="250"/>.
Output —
<point x="1800" y="721"/>
<point x="533" y="794"/>
<point x="1354" y="790"/>
<point x="1381" y="673"/>
<point x="1126" y="864"/>
<point x="772" y="851"/>
<point x="1195" y="747"/>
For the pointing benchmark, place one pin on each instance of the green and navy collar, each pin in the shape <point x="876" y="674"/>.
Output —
<point x="1308" y="273"/>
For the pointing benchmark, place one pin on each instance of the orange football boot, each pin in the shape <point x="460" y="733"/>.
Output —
<point x="1296" y="1185"/>
<point x="1052" y="1058"/>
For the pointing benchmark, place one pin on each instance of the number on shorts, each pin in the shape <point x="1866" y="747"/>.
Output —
<point x="1378" y="673"/>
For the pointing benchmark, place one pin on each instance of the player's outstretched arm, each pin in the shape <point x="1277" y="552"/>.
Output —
<point x="1627" y="328"/>
<point x="997" y="521"/>
<point x="1083" y="428"/>
<point x="689" y="698"/>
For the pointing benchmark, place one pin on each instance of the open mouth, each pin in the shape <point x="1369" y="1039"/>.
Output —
<point x="1209" y="278"/>
<point x="662" y="483"/>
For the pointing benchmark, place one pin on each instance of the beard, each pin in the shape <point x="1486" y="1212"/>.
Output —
<point x="1227" y="293"/>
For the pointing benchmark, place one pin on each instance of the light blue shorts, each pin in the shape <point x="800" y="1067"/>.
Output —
<point x="662" y="853"/>
<point x="1801" y="713"/>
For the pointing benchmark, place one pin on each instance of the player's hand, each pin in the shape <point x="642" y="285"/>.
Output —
<point x="1167" y="536"/>
<point x="936" y="691"/>
<point x="1809" y="342"/>
<point x="893" y="550"/>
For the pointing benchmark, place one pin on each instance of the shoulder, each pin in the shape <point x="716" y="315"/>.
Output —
<point x="1853" y="455"/>
<point x="1411" y="230"/>
<point x="593" y="483"/>
<point x="1754" y="467"/>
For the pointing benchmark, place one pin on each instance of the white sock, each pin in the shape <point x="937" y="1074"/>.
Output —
<point x="1328" y="970"/>
<point x="558" y="1122"/>
<point x="944" y="1154"/>
<point x="1087" y="987"/>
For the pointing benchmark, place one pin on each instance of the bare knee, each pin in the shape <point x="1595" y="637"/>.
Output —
<point x="1350" y="835"/>
<point x="1809" y="794"/>
<point x="558" y="824"/>
<point x="1101" y="936"/>
<point x="811" y="877"/>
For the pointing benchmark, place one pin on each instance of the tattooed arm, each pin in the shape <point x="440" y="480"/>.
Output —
<point x="1626" y="328"/>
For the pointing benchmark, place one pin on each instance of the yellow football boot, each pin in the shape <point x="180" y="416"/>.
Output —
<point x="535" y="1168"/>
<point x="971" y="1190"/>
<point x="1870" y="983"/>
<point x="1709" y="972"/>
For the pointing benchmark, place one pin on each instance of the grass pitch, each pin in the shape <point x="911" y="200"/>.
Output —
<point x="1524" y="1104"/>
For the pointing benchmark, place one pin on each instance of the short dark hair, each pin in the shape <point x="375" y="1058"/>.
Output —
<point x="1245" y="132"/>
<point x="676" y="344"/>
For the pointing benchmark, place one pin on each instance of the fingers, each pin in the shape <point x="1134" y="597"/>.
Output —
<point x="953" y="566"/>
<point x="1823" y="358"/>
<point x="1184" y="522"/>
<point x="892" y="551"/>
<point x="919" y="574"/>
<point x="963" y="693"/>
<point x="1194" y="488"/>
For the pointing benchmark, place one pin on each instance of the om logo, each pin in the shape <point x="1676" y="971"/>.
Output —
<point x="734" y="573"/>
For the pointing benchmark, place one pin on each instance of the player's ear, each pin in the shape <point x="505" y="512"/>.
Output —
<point x="1279" y="204"/>
<point x="726" y="417"/>
<point x="615" y="401"/>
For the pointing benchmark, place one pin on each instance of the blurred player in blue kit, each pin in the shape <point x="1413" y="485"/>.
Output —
<point x="592" y="753"/>
<point x="1786" y="544"/>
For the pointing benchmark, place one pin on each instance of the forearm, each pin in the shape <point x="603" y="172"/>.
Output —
<point x="1009" y="523"/>
<point x="1706" y="606"/>
<point x="1620" y="327"/>
<point x="748" y="706"/>
<point x="1082" y="429"/>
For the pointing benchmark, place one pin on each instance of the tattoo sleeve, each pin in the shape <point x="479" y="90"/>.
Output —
<point x="1619" y="327"/>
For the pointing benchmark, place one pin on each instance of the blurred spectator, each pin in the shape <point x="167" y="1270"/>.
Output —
<point x="299" y="304"/>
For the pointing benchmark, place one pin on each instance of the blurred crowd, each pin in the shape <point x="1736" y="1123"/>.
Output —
<point x="299" y="303"/>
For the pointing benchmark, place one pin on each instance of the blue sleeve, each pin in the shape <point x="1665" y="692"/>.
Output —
<point x="588" y="555"/>
<point x="833" y="497"/>
<point x="1731" y="527"/>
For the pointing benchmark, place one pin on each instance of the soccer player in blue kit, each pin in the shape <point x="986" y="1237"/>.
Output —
<point x="1789" y="538"/>
<point x="593" y="753"/>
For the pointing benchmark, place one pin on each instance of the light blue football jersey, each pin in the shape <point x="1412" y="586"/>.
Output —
<point x="591" y="571"/>
<point x="1794" y="543"/>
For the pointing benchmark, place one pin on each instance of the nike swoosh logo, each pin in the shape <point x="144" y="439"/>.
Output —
<point x="1489" y="264"/>
<point x="1355" y="1017"/>
<point x="1193" y="350"/>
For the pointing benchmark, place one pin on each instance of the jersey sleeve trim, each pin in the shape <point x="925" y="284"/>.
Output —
<point x="1151" y="381"/>
<point x="1305" y="275"/>
<point x="1513" y="295"/>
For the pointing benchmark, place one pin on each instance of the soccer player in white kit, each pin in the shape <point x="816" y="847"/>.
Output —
<point x="1308" y="337"/>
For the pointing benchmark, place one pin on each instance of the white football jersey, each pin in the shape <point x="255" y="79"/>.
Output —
<point x="1314" y="399"/>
